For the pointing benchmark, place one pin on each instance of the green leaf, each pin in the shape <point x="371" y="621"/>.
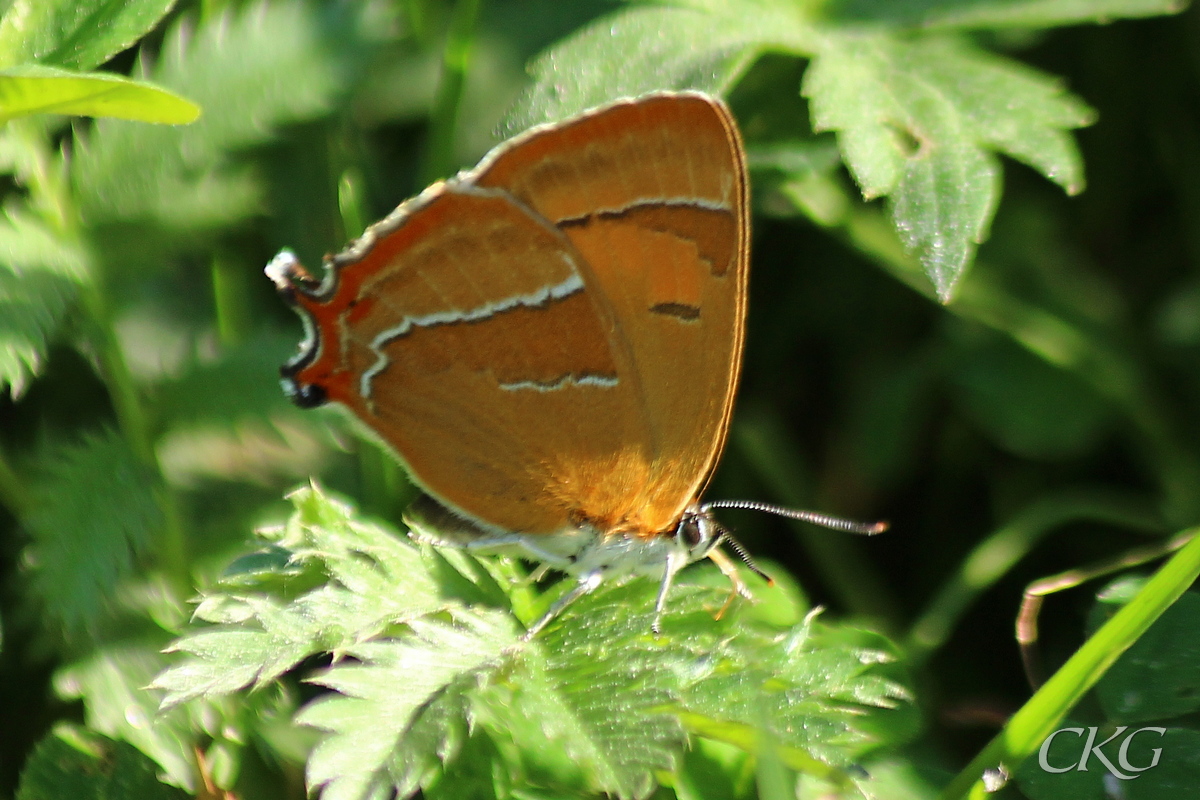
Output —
<point x="376" y="579"/>
<point x="74" y="762"/>
<point x="998" y="13"/>
<point x="660" y="47"/>
<point x="1177" y="771"/>
<point x="1028" y="728"/>
<point x="111" y="682"/>
<point x="606" y="693"/>
<point x="1159" y="676"/>
<point x="919" y="122"/>
<point x="94" y="511"/>
<point x="401" y="688"/>
<point x="809" y="689"/>
<point x="1065" y="748"/>
<point x="30" y="89"/>
<point x="40" y="274"/>
<point x="76" y="34"/>
<point x="602" y="688"/>
<point x="614" y="699"/>
<point x="233" y="65"/>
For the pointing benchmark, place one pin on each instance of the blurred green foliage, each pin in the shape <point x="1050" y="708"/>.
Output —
<point x="1008" y="373"/>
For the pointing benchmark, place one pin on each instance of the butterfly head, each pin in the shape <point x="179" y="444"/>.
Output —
<point x="698" y="532"/>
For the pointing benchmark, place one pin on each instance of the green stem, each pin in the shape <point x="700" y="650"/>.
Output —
<point x="134" y="424"/>
<point x="49" y="193"/>
<point x="131" y="416"/>
<point x="351" y="204"/>
<point x="456" y="58"/>
<point x="995" y="556"/>
<point x="1037" y="719"/>
<point x="230" y="301"/>
<point x="210" y="9"/>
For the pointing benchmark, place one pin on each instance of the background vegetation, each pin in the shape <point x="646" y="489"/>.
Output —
<point x="1004" y="365"/>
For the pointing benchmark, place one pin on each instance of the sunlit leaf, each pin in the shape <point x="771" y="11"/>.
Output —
<point x="77" y="34"/>
<point x="397" y="685"/>
<point x="919" y="122"/>
<point x="596" y="683"/>
<point x="31" y="89"/>
<point x="631" y="52"/>
<point x="377" y="579"/>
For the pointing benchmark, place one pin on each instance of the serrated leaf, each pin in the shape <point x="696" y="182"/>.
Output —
<point x="998" y="13"/>
<point x="366" y="558"/>
<point x="919" y="122"/>
<point x="376" y="579"/>
<point x="807" y="688"/>
<point x="40" y="274"/>
<point x="224" y="660"/>
<point x="600" y="686"/>
<point x="94" y="511"/>
<point x="252" y="71"/>
<point x="74" y="762"/>
<point x="77" y="34"/>
<point x="381" y="699"/>
<point x="594" y="700"/>
<point x="31" y="89"/>
<point x="662" y="47"/>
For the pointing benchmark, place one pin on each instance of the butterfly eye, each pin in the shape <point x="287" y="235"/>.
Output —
<point x="308" y="395"/>
<point x="689" y="530"/>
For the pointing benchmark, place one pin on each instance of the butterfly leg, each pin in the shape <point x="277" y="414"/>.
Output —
<point x="729" y="570"/>
<point x="587" y="582"/>
<point x="674" y="562"/>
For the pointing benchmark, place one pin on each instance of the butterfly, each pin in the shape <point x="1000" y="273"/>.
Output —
<point x="551" y="342"/>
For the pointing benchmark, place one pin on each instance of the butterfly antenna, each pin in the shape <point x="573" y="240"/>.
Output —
<point x="824" y="520"/>
<point x="727" y="538"/>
